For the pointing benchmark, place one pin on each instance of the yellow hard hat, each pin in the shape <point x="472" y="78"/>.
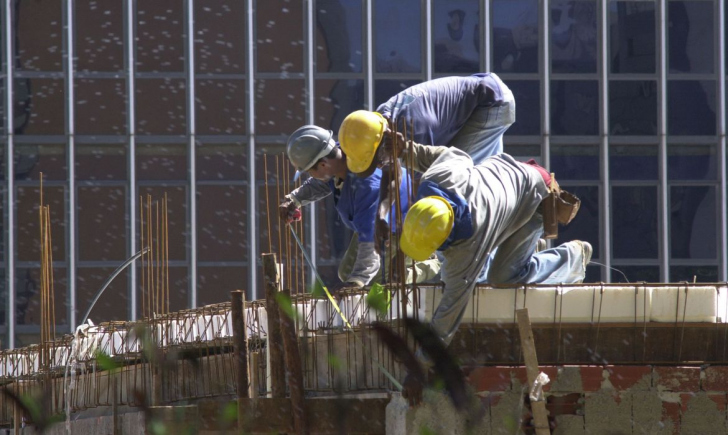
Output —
<point x="426" y="227"/>
<point x="359" y="137"/>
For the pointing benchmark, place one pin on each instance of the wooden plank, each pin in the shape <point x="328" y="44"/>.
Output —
<point x="293" y="366"/>
<point x="240" y="342"/>
<point x="275" y="340"/>
<point x="538" y="408"/>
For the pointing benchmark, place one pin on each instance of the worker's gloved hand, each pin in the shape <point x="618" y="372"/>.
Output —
<point x="412" y="390"/>
<point x="392" y="143"/>
<point x="381" y="232"/>
<point x="288" y="211"/>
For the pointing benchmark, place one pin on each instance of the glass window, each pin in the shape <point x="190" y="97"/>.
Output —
<point x="691" y="162"/>
<point x="691" y="107"/>
<point x="690" y="36"/>
<point x="218" y="162"/>
<point x="634" y="220"/>
<point x="27" y="222"/>
<point x="386" y="89"/>
<point x="39" y="106"/>
<point x="113" y="303"/>
<point x="101" y="214"/>
<point x="100" y="106"/>
<point x="221" y="223"/>
<point x="690" y="273"/>
<point x="220" y="106"/>
<point x="575" y="162"/>
<point x="99" y="35"/>
<point x="160" y="36"/>
<point x="335" y="99"/>
<point x="573" y="36"/>
<point x="214" y="284"/>
<point x="693" y="225"/>
<point x="338" y="36"/>
<point x="456" y="36"/>
<point x="220" y="38"/>
<point x="632" y="36"/>
<point x="528" y="107"/>
<point x="397" y="38"/>
<point x="178" y="290"/>
<point x="27" y="297"/>
<point x="574" y="107"/>
<point x="633" y="162"/>
<point x="38" y="34"/>
<point x="3" y="121"/>
<point x="515" y="36"/>
<point x="279" y="34"/>
<point x="101" y="162"/>
<point x="280" y="106"/>
<point x="3" y="292"/>
<point x="31" y="160"/>
<point x="161" y="106"/>
<point x="176" y="216"/>
<point x="585" y="225"/>
<point x="635" y="273"/>
<point x="161" y="162"/>
<point x="632" y="107"/>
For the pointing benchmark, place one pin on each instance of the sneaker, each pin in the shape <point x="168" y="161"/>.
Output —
<point x="586" y="253"/>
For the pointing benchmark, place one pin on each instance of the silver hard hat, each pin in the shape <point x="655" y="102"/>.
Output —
<point x="307" y="145"/>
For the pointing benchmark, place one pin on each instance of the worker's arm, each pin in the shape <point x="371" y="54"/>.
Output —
<point x="421" y="156"/>
<point x="310" y="191"/>
<point x="366" y="266"/>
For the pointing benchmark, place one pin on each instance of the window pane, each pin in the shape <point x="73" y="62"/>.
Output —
<point x="100" y="106"/>
<point x="176" y="216"/>
<point x="27" y="297"/>
<point x="632" y="36"/>
<point x="456" y="35"/>
<point x="691" y="162"/>
<point x="397" y="41"/>
<point x="573" y="36"/>
<point x="574" y="107"/>
<point x="632" y="107"/>
<point x="695" y="118"/>
<point x="585" y="225"/>
<point x="27" y="227"/>
<point x="633" y="162"/>
<point x="161" y="162"/>
<point x="31" y="160"/>
<point x="178" y="290"/>
<point x="161" y="106"/>
<point x="339" y="36"/>
<point x="217" y="162"/>
<point x="39" y="106"/>
<point x="693" y="225"/>
<point x="101" y="162"/>
<point x="38" y="36"/>
<point x="335" y="99"/>
<point x="220" y="37"/>
<point x="160" y="36"/>
<point x="528" y="107"/>
<point x="690" y="36"/>
<point x="636" y="274"/>
<point x="386" y="89"/>
<point x="3" y="308"/>
<point x="575" y="162"/>
<point x="688" y="273"/>
<point x="101" y="214"/>
<point x="214" y="284"/>
<point x="99" y="35"/>
<point x="221" y="221"/>
<point x="3" y="120"/>
<point x="634" y="217"/>
<point x="280" y="106"/>
<point x="279" y="35"/>
<point x="515" y="36"/>
<point x="220" y="106"/>
<point x="113" y="303"/>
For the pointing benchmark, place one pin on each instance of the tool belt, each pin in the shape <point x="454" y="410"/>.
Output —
<point x="559" y="207"/>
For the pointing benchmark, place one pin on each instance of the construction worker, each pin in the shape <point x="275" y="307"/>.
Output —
<point x="312" y="149"/>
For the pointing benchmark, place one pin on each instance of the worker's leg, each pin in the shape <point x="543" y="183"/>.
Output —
<point x="349" y="258"/>
<point x="425" y="270"/>
<point x="517" y="262"/>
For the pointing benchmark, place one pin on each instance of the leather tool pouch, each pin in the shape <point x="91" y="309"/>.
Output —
<point x="559" y="207"/>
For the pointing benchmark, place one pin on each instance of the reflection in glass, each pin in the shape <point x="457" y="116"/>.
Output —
<point x="214" y="283"/>
<point x="339" y="36"/>
<point x="634" y="219"/>
<point x="160" y="37"/>
<point x="220" y="40"/>
<point x="527" y="94"/>
<point x="161" y="162"/>
<point x="573" y="36"/>
<point x="397" y="42"/>
<point x="99" y="35"/>
<point x="632" y="36"/>
<point x="456" y="36"/>
<point x="632" y="107"/>
<point x="279" y="106"/>
<point x="693" y="226"/>
<point x="386" y="89"/>
<point x="161" y="106"/>
<point x="696" y="273"/>
<point x="27" y="233"/>
<point x="575" y="162"/>
<point x="691" y="162"/>
<point x="335" y="99"/>
<point x="100" y="162"/>
<point x="515" y="36"/>
<point x="691" y="107"/>
<point x="279" y="36"/>
<point x="39" y="106"/>
<point x="176" y="215"/>
<point x="27" y="296"/>
<point x="31" y="160"/>
<point x="574" y="107"/>
<point x="633" y="162"/>
<point x="221" y="234"/>
<point x="113" y="303"/>
<point x="38" y="35"/>
<point x="220" y="107"/>
<point x="635" y="273"/>
<point x="100" y="106"/>
<point x="585" y="225"/>
<point x="690" y="36"/>
<point x="101" y="215"/>
<point x="218" y="162"/>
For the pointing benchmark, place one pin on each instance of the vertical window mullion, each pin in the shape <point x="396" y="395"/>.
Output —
<point x="309" y="72"/>
<point x="250" y="121"/>
<point x="545" y="86"/>
<point x="723" y="188"/>
<point x="71" y="158"/>
<point x="131" y="152"/>
<point x="663" y="220"/>
<point x="191" y="155"/>
<point x="604" y="196"/>
<point x="10" y="176"/>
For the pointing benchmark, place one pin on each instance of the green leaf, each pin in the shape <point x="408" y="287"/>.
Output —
<point x="284" y="301"/>
<point x="105" y="362"/>
<point x="424" y="430"/>
<point x="379" y="299"/>
<point x="317" y="291"/>
<point x="230" y="412"/>
<point x="335" y="361"/>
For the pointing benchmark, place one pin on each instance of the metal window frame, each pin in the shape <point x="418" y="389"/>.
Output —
<point x="130" y="64"/>
<point x="723" y="174"/>
<point x="663" y="192"/>
<point x="250" y="121"/>
<point x="71" y="227"/>
<point x="9" y="213"/>
<point x="188" y="15"/>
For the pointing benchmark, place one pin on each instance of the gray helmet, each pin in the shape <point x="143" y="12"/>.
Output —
<point x="307" y="145"/>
